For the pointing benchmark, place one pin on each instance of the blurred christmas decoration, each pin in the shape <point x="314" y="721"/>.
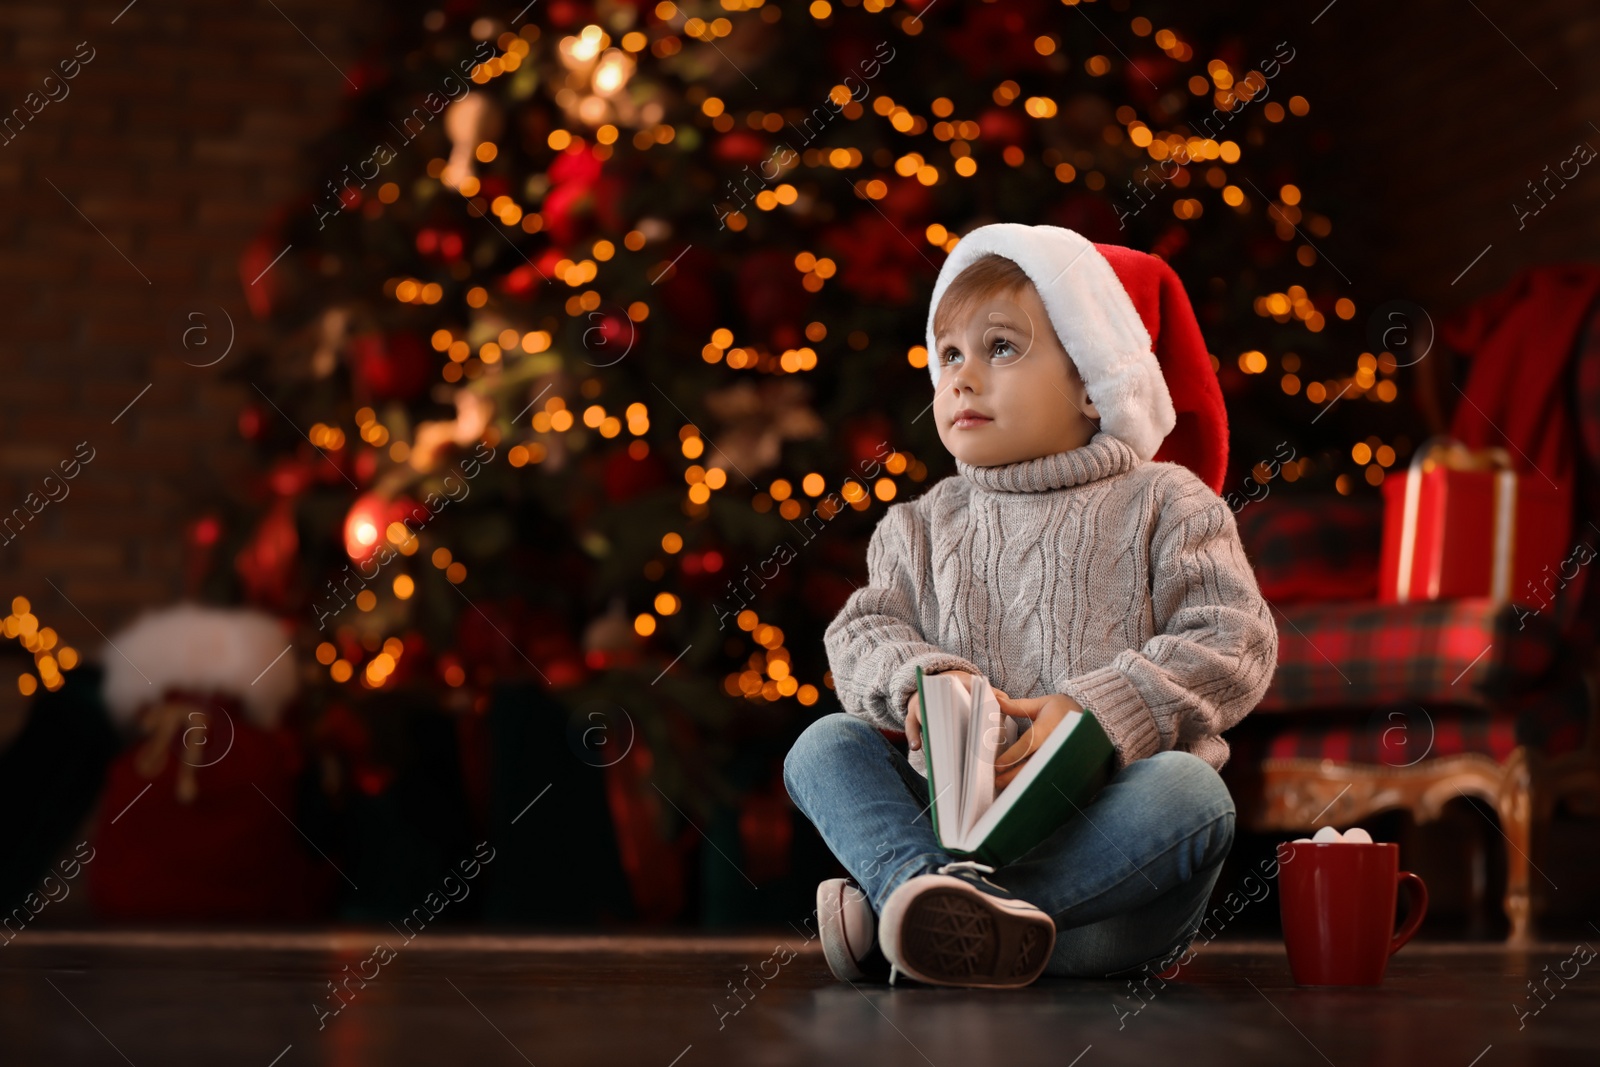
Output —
<point x="266" y="563"/>
<point x="469" y="122"/>
<point x="50" y="656"/>
<point x="203" y="693"/>
<point x="757" y="419"/>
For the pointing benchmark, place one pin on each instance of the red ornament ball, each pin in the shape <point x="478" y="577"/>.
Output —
<point x="394" y="366"/>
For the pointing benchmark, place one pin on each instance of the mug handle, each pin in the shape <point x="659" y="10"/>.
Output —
<point x="1417" y="909"/>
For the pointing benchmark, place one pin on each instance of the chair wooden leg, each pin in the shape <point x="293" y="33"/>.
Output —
<point x="1515" y="809"/>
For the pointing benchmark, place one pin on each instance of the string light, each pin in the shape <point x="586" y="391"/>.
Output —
<point x="50" y="657"/>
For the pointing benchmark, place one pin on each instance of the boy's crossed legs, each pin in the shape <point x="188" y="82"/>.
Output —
<point x="1126" y="884"/>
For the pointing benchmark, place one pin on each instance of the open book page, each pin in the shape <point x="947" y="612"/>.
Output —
<point x="964" y="732"/>
<point x="971" y="755"/>
<point x="945" y="707"/>
<point x="1019" y="785"/>
<point x="960" y="713"/>
<point x="987" y="735"/>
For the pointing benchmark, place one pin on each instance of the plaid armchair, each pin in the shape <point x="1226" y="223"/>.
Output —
<point x="1409" y="706"/>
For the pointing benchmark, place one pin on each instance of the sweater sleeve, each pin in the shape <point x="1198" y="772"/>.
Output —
<point x="1215" y="647"/>
<point x="874" y="646"/>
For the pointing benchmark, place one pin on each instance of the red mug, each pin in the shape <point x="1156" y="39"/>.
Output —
<point x="1338" y="901"/>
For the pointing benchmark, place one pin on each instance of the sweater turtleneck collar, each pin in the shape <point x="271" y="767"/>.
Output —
<point x="1102" y="457"/>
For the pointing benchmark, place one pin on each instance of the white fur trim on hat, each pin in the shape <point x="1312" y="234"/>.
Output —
<point x="1094" y="320"/>
<point x="237" y="651"/>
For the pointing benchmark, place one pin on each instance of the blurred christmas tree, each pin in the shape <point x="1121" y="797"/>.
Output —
<point x="598" y="358"/>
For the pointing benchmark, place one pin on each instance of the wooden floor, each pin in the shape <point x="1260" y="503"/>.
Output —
<point x="256" y="1000"/>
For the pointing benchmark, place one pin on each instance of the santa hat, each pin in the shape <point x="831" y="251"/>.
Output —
<point x="1124" y="318"/>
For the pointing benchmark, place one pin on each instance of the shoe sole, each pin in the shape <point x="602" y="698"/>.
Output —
<point x="954" y="934"/>
<point x="830" y="923"/>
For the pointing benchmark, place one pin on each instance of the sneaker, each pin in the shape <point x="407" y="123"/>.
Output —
<point x="849" y="932"/>
<point x="955" y="927"/>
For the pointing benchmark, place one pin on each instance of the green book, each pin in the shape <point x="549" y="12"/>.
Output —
<point x="963" y="732"/>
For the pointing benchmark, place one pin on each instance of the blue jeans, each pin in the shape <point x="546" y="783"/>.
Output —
<point x="1126" y="883"/>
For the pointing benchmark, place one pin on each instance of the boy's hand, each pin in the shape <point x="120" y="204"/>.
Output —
<point x="1046" y="713"/>
<point x="914" y="709"/>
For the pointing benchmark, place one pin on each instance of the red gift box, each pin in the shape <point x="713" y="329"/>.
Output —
<point x="1462" y="523"/>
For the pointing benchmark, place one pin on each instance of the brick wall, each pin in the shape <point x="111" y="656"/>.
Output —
<point x="1440" y="117"/>
<point x="173" y="143"/>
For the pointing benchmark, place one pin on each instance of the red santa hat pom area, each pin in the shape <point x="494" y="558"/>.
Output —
<point x="1124" y="318"/>
<point x="200" y="650"/>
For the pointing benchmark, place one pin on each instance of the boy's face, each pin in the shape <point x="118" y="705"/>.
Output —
<point x="1012" y="379"/>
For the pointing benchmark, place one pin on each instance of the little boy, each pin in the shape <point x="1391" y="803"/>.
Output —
<point x="1071" y="568"/>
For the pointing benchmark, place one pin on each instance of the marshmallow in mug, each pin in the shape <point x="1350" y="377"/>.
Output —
<point x="1353" y="836"/>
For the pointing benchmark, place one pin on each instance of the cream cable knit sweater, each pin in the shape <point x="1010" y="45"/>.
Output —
<point x="1088" y="572"/>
